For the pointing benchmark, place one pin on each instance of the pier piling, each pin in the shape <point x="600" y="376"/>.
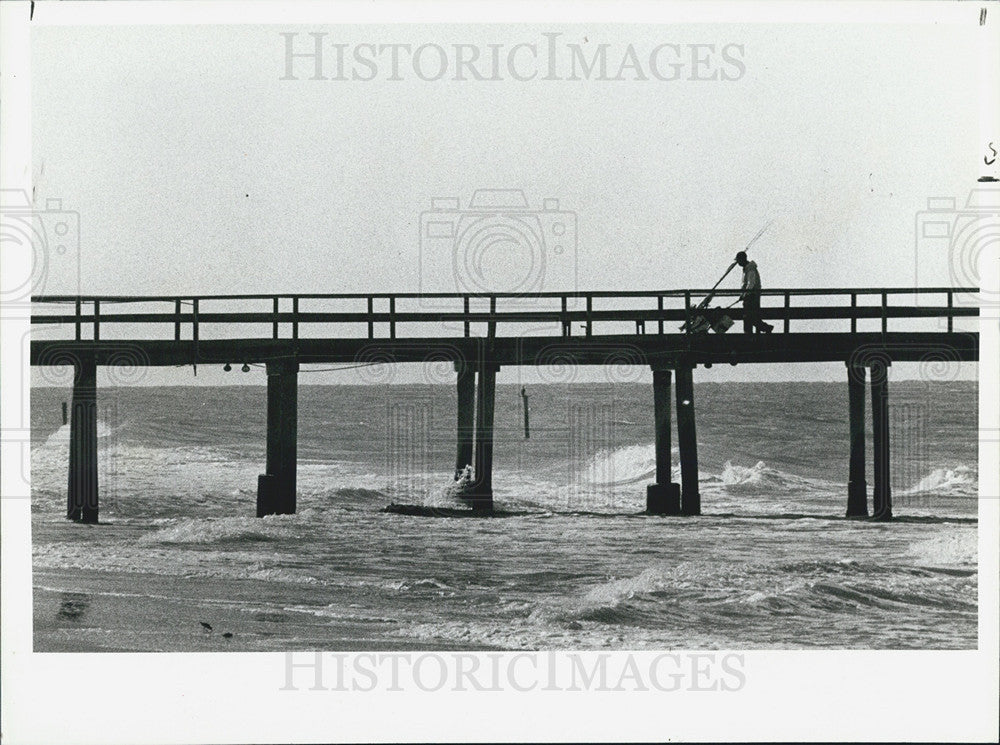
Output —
<point x="857" y="487"/>
<point x="663" y="497"/>
<point x="881" y="493"/>
<point x="466" y="416"/>
<point x="482" y="499"/>
<point x="687" y="441"/>
<point x="524" y="406"/>
<point x="81" y="502"/>
<point x="276" y="487"/>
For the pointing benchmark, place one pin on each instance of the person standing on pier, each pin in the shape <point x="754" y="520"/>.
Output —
<point x="752" y="322"/>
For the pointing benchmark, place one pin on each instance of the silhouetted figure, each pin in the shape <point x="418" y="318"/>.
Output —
<point x="751" y="297"/>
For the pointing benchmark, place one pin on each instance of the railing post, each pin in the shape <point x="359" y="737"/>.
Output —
<point x="567" y="326"/>
<point x="392" y="318"/>
<point x="687" y="311"/>
<point x="465" y="309"/>
<point x="788" y="304"/>
<point x="371" y="320"/>
<point x="177" y="322"/>
<point x="885" y="318"/>
<point x="194" y="321"/>
<point x="274" y="329"/>
<point x="78" y="310"/>
<point x="659" y="307"/>
<point x="590" y="310"/>
<point x="492" y="327"/>
<point x="97" y="320"/>
<point x="295" y="321"/>
<point x="854" y="318"/>
<point x="951" y="318"/>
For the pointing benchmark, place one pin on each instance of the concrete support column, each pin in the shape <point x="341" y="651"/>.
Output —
<point x="81" y="500"/>
<point x="663" y="497"/>
<point x="857" y="487"/>
<point x="466" y="416"/>
<point x="276" y="487"/>
<point x="482" y="497"/>
<point x="881" y="493"/>
<point x="687" y="441"/>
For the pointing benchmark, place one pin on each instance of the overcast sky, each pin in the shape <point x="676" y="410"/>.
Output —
<point x="196" y="169"/>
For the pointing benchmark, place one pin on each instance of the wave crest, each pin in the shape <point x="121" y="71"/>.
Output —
<point x="622" y="466"/>
<point x="761" y="478"/>
<point x="223" y="530"/>
<point x="960" y="481"/>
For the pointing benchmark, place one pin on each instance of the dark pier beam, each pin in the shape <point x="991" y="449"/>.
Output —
<point x="276" y="487"/>
<point x="687" y="441"/>
<point x="81" y="501"/>
<point x="466" y="416"/>
<point x="857" y="487"/>
<point x="482" y="496"/>
<point x="663" y="497"/>
<point x="881" y="493"/>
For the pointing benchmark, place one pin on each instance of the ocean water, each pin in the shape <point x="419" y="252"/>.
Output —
<point x="771" y="564"/>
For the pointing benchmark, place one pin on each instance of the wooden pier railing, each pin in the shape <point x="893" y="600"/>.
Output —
<point x="380" y="311"/>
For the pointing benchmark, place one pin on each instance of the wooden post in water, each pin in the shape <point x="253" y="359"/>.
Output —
<point x="687" y="441"/>
<point x="881" y="493"/>
<point x="524" y="404"/>
<point x="81" y="501"/>
<point x="482" y="499"/>
<point x="466" y="415"/>
<point x="663" y="497"/>
<point x="276" y="487"/>
<point x="857" y="487"/>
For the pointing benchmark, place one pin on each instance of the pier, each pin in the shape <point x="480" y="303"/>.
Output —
<point x="479" y="334"/>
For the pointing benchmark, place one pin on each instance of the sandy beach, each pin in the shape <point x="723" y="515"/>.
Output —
<point x="103" y="613"/>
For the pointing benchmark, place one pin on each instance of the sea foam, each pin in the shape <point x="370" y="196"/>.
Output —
<point x="222" y="530"/>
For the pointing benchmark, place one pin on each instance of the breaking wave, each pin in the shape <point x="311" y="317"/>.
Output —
<point x="627" y="465"/>
<point x="960" y="481"/>
<point x="223" y="530"/>
<point x="637" y="463"/>
<point x="761" y="478"/>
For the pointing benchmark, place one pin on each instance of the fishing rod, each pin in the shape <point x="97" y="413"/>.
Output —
<point x="700" y="321"/>
<point x="711" y="293"/>
<point x="752" y="241"/>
